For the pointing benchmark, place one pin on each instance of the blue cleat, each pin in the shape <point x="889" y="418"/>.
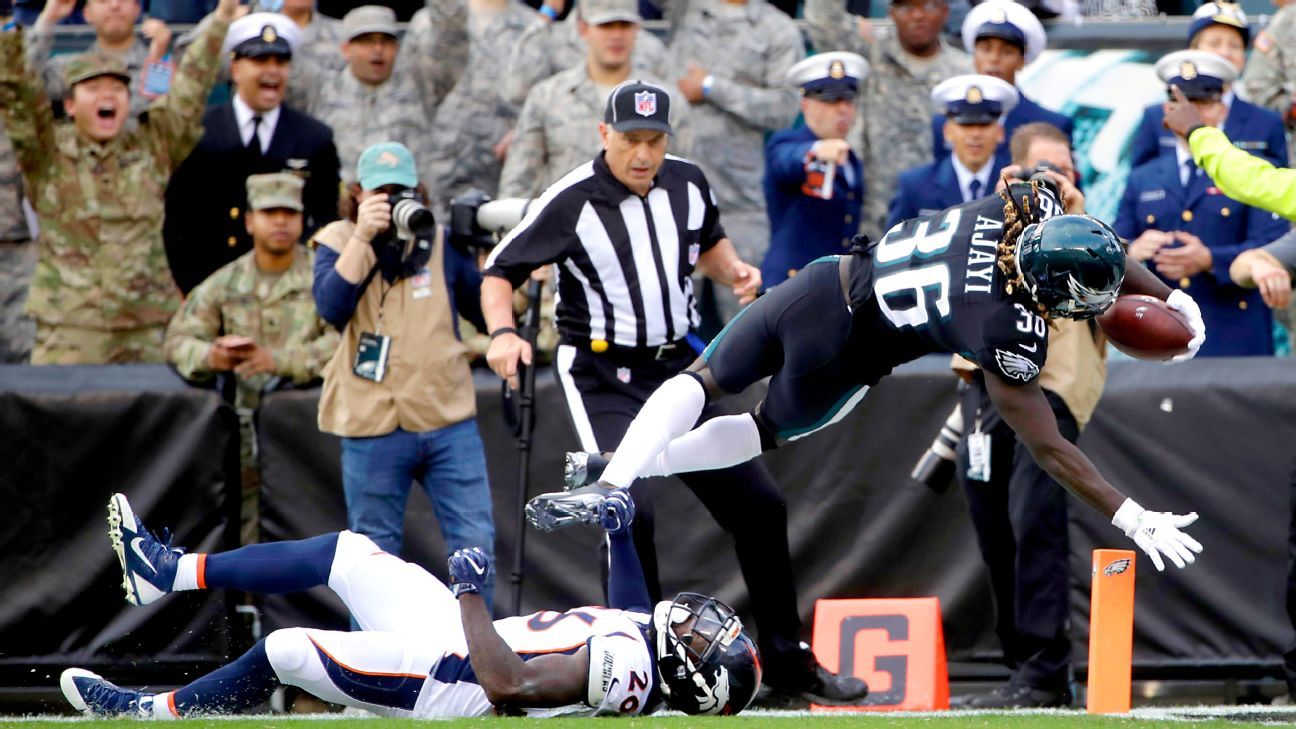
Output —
<point x="148" y="563"/>
<point x="91" y="695"/>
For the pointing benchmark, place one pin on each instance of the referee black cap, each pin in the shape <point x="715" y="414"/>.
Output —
<point x="638" y="105"/>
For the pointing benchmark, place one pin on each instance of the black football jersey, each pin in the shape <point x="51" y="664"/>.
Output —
<point x="933" y="284"/>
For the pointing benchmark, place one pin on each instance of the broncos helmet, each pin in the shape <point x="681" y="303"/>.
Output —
<point x="1073" y="265"/>
<point x="711" y="666"/>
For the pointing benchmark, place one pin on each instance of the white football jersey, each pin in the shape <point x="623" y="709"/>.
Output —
<point x="621" y="671"/>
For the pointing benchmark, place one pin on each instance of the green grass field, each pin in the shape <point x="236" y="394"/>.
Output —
<point x="1221" y="718"/>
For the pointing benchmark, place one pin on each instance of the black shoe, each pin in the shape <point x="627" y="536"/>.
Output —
<point x="821" y="686"/>
<point x="581" y="468"/>
<point x="1020" y="697"/>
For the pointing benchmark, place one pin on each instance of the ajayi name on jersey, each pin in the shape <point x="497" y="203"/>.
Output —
<point x="944" y="283"/>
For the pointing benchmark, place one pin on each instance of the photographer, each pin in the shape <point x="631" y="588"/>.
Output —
<point x="398" y="390"/>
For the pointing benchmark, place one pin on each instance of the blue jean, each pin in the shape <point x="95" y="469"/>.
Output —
<point x="449" y="463"/>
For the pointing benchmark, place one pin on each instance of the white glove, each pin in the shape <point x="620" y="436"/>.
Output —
<point x="1184" y="304"/>
<point x="1157" y="533"/>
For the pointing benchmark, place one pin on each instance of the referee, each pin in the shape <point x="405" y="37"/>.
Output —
<point x="626" y="230"/>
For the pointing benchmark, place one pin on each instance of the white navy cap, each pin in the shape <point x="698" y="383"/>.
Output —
<point x="974" y="98"/>
<point x="1200" y="75"/>
<point x="830" y="76"/>
<point x="1009" y="21"/>
<point x="1220" y="13"/>
<point x="262" y="34"/>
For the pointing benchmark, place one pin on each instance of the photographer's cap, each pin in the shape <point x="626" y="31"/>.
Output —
<point x="262" y="34"/>
<point x="638" y="105"/>
<point x="93" y="64"/>
<point x="599" y="12"/>
<point x="386" y="163"/>
<point x="1200" y="75"/>
<point x="974" y="98"/>
<point x="1008" y="21"/>
<point x="831" y="76"/>
<point x="275" y="190"/>
<point x="369" y="19"/>
<point x="1220" y="13"/>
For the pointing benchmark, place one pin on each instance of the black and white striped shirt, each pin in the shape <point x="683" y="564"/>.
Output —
<point x="624" y="261"/>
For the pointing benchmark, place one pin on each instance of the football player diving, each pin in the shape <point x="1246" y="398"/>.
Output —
<point x="982" y="279"/>
<point x="425" y="649"/>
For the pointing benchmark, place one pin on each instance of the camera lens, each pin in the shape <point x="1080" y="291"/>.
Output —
<point x="412" y="219"/>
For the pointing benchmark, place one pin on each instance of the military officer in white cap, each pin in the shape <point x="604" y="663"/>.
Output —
<point x="254" y="133"/>
<point x="814" y="180"/>
<point x="1187" y="231"/>
<point x="1003" y="37"/>
<point x="974" y="106"/>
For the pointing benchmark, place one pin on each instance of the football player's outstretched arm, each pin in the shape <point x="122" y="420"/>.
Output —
<point x="556" y="679"/>
<point x="1027" y="412"/>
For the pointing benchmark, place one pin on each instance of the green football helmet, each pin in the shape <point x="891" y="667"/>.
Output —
<point x="1073" y="265"/>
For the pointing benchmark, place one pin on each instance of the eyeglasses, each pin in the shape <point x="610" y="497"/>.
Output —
<point x="909" y="8"/>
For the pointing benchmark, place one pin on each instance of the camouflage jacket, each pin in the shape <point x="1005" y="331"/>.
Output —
<point x="892" y="132"/>
<point x="748" y="50"/>
<point x="50" y="68"/>
<point x="277" y="312"/>
<point x="558" y="130"/>
<point x="102" y="264"/>
<point x="474" y="117"/>
<point x="1270" y="76"/>
<point x="318" y="56"/>
<point x="13" y="224"/>
<point x="547" y="48"/>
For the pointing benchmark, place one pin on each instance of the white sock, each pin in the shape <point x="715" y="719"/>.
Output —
<point x="186" y="577"/>
<point x="161" y="706"/>
<point x="718" y="443"/>
<point x="670" y="413"/>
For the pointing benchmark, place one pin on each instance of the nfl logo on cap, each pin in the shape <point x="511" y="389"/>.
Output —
<point x="645" y="103"/>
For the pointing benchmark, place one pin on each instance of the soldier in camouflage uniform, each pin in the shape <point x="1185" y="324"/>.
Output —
<point x="316" y="55"/>
<point x="17" y="261"/>
<point x="736" y="55"/>
<point x="114" y="24"/>
<point x="256" y="318"/>
<point x="470" y="135"/>
<point x="377" y="100"/>
<point x="893" y="127"/>
<point x="102" y="291"/>
<point x="1270" y="76"/>
<point x="557" y="129"/>
<point x="548" y="47"/>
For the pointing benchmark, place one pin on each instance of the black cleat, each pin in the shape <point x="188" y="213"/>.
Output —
<point x="811" y="683"/>
<point x="1010" y="696"/>
<point x="581" y="468"/>
<point x="561" y="509"/>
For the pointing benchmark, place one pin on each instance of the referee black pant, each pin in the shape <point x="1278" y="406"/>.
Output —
<point x="604" y="392"/>
<point x="1020" y="517"/>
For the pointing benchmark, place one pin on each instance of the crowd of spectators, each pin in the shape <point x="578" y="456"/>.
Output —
<point x="139" y="223"/>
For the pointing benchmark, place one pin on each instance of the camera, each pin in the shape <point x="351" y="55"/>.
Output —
<point x="1038" y="174"/>
<point x="411" y="219"/>
<point x="935" y="469"/>
<point x="477" y="220"/>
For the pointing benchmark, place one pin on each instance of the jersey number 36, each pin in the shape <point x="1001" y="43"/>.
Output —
<point x="906" y="295"/>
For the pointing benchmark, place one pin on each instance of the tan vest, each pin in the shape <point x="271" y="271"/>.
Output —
<point x="1075" y="369"/>
<point x="428" y="384"/>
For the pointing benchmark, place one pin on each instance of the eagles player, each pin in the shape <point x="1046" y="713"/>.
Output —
<point x="982" y="279"/>
<point x="427" y="650"/>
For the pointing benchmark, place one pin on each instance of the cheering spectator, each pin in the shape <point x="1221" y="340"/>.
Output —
<point x="319" y="38"/>
<point x="114" y="25"/>
<point x="255" y="132"/>
<point x="102" y="292"/>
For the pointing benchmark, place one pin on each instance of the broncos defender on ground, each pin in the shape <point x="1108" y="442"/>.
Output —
<point x="427" y="650"/>
<point x="982" y="279"/>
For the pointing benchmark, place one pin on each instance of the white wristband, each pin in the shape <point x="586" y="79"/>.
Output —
<point x="1126" y="517"/>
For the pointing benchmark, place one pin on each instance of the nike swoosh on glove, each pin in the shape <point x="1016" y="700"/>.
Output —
<point x="1184" y="304"/>
<point x="1158" y="533"/>
<point x="468" y="570"/>
<point x="617" y="512"/>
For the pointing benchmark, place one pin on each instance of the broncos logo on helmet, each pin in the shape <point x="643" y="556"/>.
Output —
<point x="706" y="662"/>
